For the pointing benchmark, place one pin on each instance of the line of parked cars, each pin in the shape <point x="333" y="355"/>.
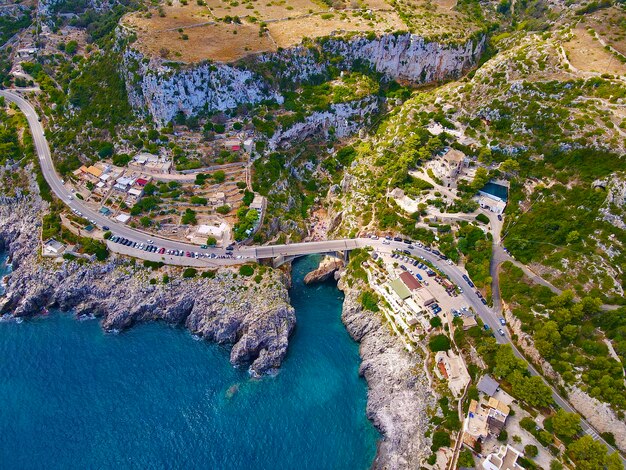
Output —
<point x="150" y="247"/>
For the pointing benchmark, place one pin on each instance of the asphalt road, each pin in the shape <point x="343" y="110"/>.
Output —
<point x="487" y="314"/>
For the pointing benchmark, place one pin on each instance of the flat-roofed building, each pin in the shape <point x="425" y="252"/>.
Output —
<point x="410" y="281"/>
<point x="400" y="288"/>
<point x="504" y="459"/>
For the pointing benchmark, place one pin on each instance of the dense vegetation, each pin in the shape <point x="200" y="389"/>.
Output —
<point x="565" y="333"/>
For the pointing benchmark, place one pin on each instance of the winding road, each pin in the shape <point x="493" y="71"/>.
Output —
<point x="488" y="315"/>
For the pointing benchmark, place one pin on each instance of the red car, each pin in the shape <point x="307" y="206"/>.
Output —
<point x="188" y="254"/>
<point x="161" y="251"/>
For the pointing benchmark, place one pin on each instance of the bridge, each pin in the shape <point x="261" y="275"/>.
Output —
<point x="280" y="254"/>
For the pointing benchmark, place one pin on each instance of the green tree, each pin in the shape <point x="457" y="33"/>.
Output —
<point x="246" y="270"/>
<point x="548" y="339"/>
<point x="189" y="273"/>
<point x="587" y="454"/>
<point x="439" y="343"/>
<point x="566" y="424"/>
<point x="531" y="451"/>
<point x="572" y="237"/>
<point x="145" y="221"/>
<point x="466" y="459"/>
<point x="507" y="362"/>
<point x="440" y="439"/>
<point x="481" y="178"/>
<point x="219" y="176"/>
<point x="211" y="241"/>
<point x="189" y="217"/>
<point x="225" y="209"/>
<point x="532" y="390"/>
<point x="71" y="47"/>
<point x="509" y="166"/>
<point x="485" y="156"/>
<point x="435" y="322"/>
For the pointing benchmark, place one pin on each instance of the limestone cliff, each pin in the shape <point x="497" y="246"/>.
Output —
<point x="256" y="318"/>
<point x="163" y="88"/>
<point x="398" y="392"/>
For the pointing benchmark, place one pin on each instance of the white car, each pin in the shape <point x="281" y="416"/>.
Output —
<point x="150" y="242"/>
<point x="386" y="242"/>
<point x="70" y="197"/>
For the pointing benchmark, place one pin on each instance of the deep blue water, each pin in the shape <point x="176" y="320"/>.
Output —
<point x="152" y="397"/>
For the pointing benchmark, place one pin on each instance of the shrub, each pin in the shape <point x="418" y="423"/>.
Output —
<point x="482" y="218"/>
<point x="369" y="301"/>
<point x="439" y="343"/>
<point x="440" y="439"/>
<point x="189" y="273"/>
<point x="246" y="270"/>
<point x="531" y="451"/>
<point x="225" y="209"/>
<point x="436" y="322"/>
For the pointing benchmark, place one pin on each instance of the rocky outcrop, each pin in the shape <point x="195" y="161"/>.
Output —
<point x="614" y="208"/>
<point x="600" y="415"/>
<point x="342" y="120"/>
<point x="398" y="392"/>
<point x="256" y="318"/>
<point x="325" y="271"/>
<point x="164" y="88"/>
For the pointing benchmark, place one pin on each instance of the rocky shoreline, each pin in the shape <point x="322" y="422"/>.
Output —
<point x="398" y="392"/>
<point x="256" y="319"/>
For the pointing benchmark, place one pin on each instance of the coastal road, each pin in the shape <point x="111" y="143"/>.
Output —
<point x="488" y="316"/>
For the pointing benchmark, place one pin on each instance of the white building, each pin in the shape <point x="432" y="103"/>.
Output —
<point x="504" y="459"/>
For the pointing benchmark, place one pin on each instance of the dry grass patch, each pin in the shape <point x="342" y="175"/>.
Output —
<point x="587" y="54"/>
<point x="217" y="42"/>
<point x="610" y="24"/>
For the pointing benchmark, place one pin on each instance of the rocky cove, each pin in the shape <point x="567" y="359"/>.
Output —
<point x="163" y="88"/>
<point x="256" y="320"/>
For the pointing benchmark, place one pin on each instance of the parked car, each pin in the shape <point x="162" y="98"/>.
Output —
<point x="105" y="227"/>
<point x="502" y="321"/>
<point x="501" y="331"/>
<point x="419" y="276"/>
<point x="483" y="301"/>
<point x="397" y="239"/>
<point x="150" y="242"/>
<point x="499" y="217"/>
<point x="385" y="242"/>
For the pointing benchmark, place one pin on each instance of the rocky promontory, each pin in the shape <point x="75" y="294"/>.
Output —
<point x="398" y="392"/>
<point x="225" y="308"/>
<point x="326" y="269"/>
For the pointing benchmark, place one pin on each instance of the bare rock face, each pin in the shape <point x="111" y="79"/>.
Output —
<point x="155" y="87"/>
<point x="256" y="318"/>
<point x="326" y="270"/>
<point x="398" y="391"/>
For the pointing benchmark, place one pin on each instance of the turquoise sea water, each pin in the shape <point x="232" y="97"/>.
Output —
<point x="153" y="397"/>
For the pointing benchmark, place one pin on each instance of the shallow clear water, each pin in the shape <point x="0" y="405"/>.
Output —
<point x="74" y="397"/>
